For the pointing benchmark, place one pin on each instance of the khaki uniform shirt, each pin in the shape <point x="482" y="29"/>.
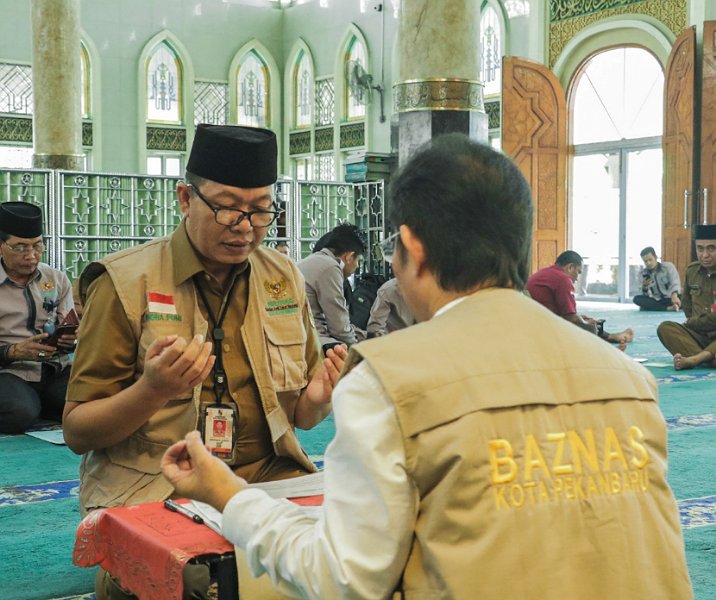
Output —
<point x="539" y="456"/>
<point x="698" y="296"/>
<point x="25" y="310"/>
<point x="108" y="360"/>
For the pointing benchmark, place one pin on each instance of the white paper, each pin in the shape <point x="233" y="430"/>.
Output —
<point x="297" y="487"/>
<point x="54" y="436"/>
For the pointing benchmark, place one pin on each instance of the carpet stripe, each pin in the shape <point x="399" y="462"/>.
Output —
<point x="694" y="512"/>
<point x="684" y="377"/>
<point x="697" y="512"/>
<point x="14" y="495"/>
<point x="690" y="422"/>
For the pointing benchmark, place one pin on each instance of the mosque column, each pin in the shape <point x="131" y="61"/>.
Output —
<point x="56" y="85"/>
<point x="438" y="89"/>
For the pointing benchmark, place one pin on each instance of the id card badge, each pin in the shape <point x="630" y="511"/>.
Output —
<point x="219" y="430"/>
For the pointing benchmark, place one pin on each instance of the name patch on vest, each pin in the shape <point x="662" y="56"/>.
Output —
<point x="280" y="302"/>
<point x="160" y="307"/>
<point x="567" y="466"/>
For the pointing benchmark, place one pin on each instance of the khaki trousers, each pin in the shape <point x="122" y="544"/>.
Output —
<point x="679" y="339"/>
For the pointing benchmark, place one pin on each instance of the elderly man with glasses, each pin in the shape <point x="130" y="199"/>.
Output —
<point x="34" y="298"/>
<point x="204" y="329"/>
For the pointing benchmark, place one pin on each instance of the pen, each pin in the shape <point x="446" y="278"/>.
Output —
<point x="178" y="508"/>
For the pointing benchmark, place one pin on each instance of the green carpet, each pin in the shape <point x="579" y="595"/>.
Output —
<point x="38" y="503"/>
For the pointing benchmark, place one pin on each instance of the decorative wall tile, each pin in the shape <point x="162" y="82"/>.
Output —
<point x="568" y="18"/>
<point x="324" y="139"/>
<point x="352" y="135"/>
<point x="16" y="129"/>
<point x="299" y="142"/>
<point x="166" y="138"/>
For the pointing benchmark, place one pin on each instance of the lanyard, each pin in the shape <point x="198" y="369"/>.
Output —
<point x="217" y="334"/>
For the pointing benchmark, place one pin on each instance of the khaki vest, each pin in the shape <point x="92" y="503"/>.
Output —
<point x="539" y="456"/>
<point x="275" y="340"/>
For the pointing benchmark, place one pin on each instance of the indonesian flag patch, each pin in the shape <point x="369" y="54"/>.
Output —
<point x="161" y="306"/>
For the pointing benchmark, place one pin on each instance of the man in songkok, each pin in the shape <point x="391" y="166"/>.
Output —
<point x="204" y="329"/>
<point x="693" y="343"/>
<point x="35" y="299"/>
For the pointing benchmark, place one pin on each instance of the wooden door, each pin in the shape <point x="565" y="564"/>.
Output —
<point x="707" y="175"/>
<point x="679" y="211"/>
<point x="534" y="134"/>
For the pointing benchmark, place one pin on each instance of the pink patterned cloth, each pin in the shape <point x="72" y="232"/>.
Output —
<point x="145" y="547"/>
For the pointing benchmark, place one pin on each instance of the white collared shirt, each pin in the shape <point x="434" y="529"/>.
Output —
<point x="360" y="545"/>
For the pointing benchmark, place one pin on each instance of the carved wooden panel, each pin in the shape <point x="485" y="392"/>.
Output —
<point x="678" y="146"/>
<point x="534" y="134"/>
<point x="708" y="122"/>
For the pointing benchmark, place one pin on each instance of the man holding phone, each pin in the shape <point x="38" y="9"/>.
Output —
<point x="36" y="298"/>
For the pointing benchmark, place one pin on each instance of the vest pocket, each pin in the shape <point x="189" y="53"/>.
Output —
<point x="286" y="351"/>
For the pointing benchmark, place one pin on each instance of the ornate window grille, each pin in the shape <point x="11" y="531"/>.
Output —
<point x="490" y="51"/>
<point x="325" y="167"/>
<point x="86" y="79"/>
<point x="325" y="101"/>
<point x="164" y="84"/>
<point x="15" y="89"/>
<point x="211" y="102"/>
<point x="253" y="91"/>
<point x="303" y="87"/>
<point x="355" y="108"/>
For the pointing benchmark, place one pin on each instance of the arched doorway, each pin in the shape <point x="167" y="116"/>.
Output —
<point x="616" y="177"/>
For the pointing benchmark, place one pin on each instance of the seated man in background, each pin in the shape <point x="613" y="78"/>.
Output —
<point x="282" y="247"/>
<point x="693" y="343"/>
<point x="389" y="311"/>
<point x="34" y="299"/>
<point x="325" y="272"/>
<point x="462" y="469"/>
<point x="660" y="284"/>
<point x="553" y="288"/>
<point x="205" y="329"/>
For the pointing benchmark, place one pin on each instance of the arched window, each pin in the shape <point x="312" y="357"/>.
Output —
<point x="491" y="38"/>
<point x="164" y="85"/>
<point x="86" y="79"/>
<point x="302" y="91"/>
<point x="356" y="95"/>
<point x="618" y="94"/>
<point x="617" y="115"/>
<point x="253" y="88"/>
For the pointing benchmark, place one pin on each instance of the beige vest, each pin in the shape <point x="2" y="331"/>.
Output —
<point x="539" y="455"/>
<point x="275" y="340"/>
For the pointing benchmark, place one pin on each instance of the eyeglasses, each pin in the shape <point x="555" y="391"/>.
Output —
<point x="386" y="248"/>
<point x="37" y="248"/>
<point x="233" y="216"/>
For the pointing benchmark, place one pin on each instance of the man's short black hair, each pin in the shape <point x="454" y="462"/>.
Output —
<point x="471" y="208"/>
<point x="648" y="250"/>
<point x="568" y="257"/>
<point x="341" y="239"/>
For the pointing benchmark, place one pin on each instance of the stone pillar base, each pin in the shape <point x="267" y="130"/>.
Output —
<point x="420" y="126"/>
<point x="65" y="162"/>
